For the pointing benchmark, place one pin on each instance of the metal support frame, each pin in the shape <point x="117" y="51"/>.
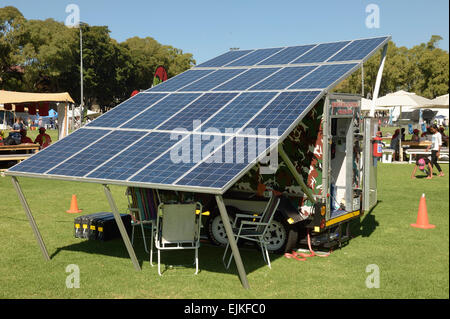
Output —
<point x="33" y="224"/>
<point x="295" y="174"/>
<point x="378" y="80"/>
<point x="232" y="241"/>
<point x="122" y="229"/>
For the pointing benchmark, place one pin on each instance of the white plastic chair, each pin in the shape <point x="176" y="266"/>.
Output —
<point x="178" y="227"/>
<point x="254" y="229"/>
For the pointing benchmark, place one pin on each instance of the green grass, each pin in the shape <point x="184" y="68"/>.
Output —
<point x="413" y="263"/>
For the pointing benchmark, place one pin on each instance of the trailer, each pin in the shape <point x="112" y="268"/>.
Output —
<point x="336" y="165"/>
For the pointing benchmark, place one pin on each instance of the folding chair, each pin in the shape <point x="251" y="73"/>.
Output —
<point x="178" y="227"/>
<point x="142" y="206"/>
<point x="254" y="229"/>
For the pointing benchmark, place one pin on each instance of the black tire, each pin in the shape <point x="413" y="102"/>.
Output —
<point x="214" y="226"/>
<point x="282" y="236"/>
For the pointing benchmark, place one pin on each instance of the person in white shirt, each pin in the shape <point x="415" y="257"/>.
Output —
<point x="436" y="143"/>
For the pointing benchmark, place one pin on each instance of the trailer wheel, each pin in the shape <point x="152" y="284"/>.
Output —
<point x="215" y="230"/>
<point x="281" y="236"/>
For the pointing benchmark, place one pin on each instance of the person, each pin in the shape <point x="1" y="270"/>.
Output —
<point x="403" y="134"/>
<point x="1" y="138"/>
<point x="415" y="137"/>
<point x="395" y="143"/>
<point x="24" y="138"/>
<point x="43" y="138"/>
<point x="436" y="143"/>
<point x="15" y="131"/>
<point x="422" y="162"/>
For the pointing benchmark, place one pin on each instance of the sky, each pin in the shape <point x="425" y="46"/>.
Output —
<point x="208" y="28"/>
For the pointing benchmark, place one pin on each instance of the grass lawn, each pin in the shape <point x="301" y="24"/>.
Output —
<point x="413" y="263"/>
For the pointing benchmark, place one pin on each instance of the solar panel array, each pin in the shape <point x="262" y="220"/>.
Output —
<point x="203" y="129"/>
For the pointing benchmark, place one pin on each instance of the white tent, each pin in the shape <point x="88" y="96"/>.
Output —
<point x="77" y="111"/>
<point x="403" y="99"/>
<point x="441" y="102"/>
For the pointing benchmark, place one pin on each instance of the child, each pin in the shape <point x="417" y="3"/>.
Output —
<point x="421" y="162"/>
<point x="436" y="143"/>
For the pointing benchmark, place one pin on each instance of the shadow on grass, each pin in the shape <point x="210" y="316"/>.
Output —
<point x="367" y="226"/>
<point x="210" y="256"/>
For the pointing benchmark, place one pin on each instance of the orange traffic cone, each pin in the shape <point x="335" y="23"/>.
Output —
<point x="74" y="206"/>
<point x="422" y="215"/>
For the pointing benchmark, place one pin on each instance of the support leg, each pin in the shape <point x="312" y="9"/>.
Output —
<point x="122" y="229"/>
<point x="33" y="224"/>
<point x="234" y="248"/>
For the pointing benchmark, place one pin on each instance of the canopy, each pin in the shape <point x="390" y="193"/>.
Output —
<point x="403" y="98"/>
<point x="25" y="97"/>
<point x="441" y="102"/>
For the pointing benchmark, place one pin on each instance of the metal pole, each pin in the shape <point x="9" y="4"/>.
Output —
<point x="362" y="79"/>
<point x="325" y="147"/>
<point x="81" y="78"/>
<point x="295" y="174"/>
<point x="122" y="229"/>
<point x="232" y="241"/>
<point x="378" y="81"/>
<point x="33" y="224"/>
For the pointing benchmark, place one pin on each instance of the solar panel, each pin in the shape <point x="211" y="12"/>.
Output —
<point x="283" y="78"/>
<point x="321" y="53"/>
<point x="181" y="80"/>
<point x="324" y="76"/>
<point x="213" y="80"/>
<point x="121" y="113"/>
<point x="197" y="131"/>
<point x="238" y="112"/>
<point x="358" y="49"/>
<point x="246" y="80"/>
<point x="254" y="57"/>
<point x="227" y="162"/>
<point x="60" y="151"/>
<point x="161" y="111"/>
<point x="286" y="55"/>
<point x="93" y="156"/>
<point x="225" y="58"/>
<point x="135" y="157"/>
<point x="280" y="114"/>
<point x="200" y="111"/>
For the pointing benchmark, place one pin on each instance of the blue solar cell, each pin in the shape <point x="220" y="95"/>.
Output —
<point x="213" y="80"/>
<point x="254" y="57"/>
<point x="227" y="162"/>
<point x="238" y="112"/>
<point x="358" y="49"/>
<point x="287" y="55"/>
<point x="283" y="79"/>
<point x="161" y="111"/>
<point x="180" y="80"/>
<point x="200" y="110"/>
<point x="126" y="110"/>
<point x="246" y="80"/>
<point x="93" y="156"/>
<point x="225" y="58"/>
<point x="135" y="157"/>
<point x="174" y="163"/>
<point x="59" y="151"/>
<point x="321" y="53"/>
<point x="323" y="77"/>
<point x="279" y="115"/>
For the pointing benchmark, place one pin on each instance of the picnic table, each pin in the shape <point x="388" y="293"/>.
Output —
<point x="17" y="152"/>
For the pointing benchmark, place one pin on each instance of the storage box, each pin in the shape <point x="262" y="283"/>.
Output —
<point x="100" y="226"/>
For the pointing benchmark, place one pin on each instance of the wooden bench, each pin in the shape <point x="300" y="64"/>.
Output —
<point x="414" y="152"/>
<point x="14" y="157"/>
